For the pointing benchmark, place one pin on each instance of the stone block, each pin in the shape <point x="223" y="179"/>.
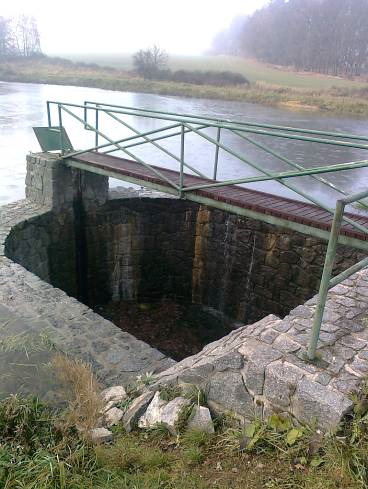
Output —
<point x="227" y="392"/>
<point x="303" y="312"/>
<point x="113" y="416"/>
<point x="232" y="360"/>
<point x="343" y="352"/>
<point x="282" y="326"/>
<point x="286" y="344"/>
<point x="281" y="379"/>
<point x="135" y="411"/>
<point x="257" y="355"/>
<point x="269" y="336"/>
<point x="359" y="367"/>
<point x="323" y="378"/>
<point x="353" y="342"/>
<point x="153" y="414"/>
<point x="200" y="420"/>
<point x="171" y="412"/>
<point x="346" y="382"/>
<point x="101" y="435"/>
<point x="314" y="403"/>
<point x="196" y="375"/>
<point x="114" y="394"/>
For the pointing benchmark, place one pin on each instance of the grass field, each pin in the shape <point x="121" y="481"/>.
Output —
<point x="254" y="70"/>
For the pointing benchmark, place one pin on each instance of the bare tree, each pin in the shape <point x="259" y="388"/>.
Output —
<point x="148" y="62"/>
<point x="6" y="45"/>
<point x="26" y="36"/>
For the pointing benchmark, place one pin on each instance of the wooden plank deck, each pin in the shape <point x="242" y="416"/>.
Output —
<point x="261" y="202"/>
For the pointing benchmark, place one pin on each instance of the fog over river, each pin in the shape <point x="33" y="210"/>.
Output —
<point x="24" y="105"/>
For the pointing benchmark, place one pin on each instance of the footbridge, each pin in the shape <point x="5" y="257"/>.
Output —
<point x="117" y="129"/>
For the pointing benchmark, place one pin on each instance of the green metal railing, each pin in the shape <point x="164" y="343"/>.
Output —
<point x="179" y="125"/>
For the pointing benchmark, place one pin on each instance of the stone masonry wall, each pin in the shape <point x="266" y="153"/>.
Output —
<point x="144" y="247"/>
<point x="248" y="269"/>
<point x="49" y="242"/>
<point x="46" y="246"/>
<point x="141" y="249"/>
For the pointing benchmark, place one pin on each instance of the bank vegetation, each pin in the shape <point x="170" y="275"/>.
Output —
<point x="340" y="99"/>
<point x="49" y="448"/>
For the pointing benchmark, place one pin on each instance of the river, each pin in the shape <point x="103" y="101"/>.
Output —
<point x="23" y="106"/>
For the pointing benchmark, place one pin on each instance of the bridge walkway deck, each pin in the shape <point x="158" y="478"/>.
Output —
<point x="268" y="207"/>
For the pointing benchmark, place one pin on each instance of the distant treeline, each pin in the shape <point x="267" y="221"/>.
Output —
<point x="19" y="37"/>
<point x="325" y="36"/>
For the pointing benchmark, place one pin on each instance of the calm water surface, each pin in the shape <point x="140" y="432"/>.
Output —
<point x="23" y="106"/>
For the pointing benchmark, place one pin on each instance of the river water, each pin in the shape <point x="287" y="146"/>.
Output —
<point x="23" y="106"/>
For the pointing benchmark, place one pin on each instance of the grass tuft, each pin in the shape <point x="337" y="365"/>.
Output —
<point x="170" y="392"/>
<point x="196" y="438"/>
<point x="81" y="390"/>
<point x="193" y="456"/>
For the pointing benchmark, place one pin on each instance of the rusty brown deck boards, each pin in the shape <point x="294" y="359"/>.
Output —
<point x="282" y="207"/>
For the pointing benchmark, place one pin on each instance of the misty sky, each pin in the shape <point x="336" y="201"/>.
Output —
<point x="180" y="27"/>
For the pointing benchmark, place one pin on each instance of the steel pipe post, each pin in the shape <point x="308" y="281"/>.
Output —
<point x="48" y="113"/>
<point x="217" y="153"/>
<point x="96" y="132"/>
<point x="325" y="280"/>
<point x="60" y="130"/>
<point x="182" y="148"/>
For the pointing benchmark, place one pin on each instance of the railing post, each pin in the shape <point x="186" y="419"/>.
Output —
<point x="60" y="130"/>
<point x="96" y="125"/>
<point x="325" y="280"/>
<point x="48" y="114"/>
<point x="181" y="177"/>
<point x="217" y="153"/>
<point x="85" y="115"/>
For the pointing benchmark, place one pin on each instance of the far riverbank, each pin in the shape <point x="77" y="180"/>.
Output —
<point x="335" y="100"/>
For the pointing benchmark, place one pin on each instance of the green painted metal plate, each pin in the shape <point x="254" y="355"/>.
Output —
<point x="49" y="139"/>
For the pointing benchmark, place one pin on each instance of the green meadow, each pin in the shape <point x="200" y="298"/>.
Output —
<point x="254" y="70"/>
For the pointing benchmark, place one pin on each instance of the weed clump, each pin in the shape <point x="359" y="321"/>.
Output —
<point x="81" y="390"/>
<point x="27" y="423"/>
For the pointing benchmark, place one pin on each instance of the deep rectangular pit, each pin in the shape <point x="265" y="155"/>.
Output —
<point x="161" y="260"/>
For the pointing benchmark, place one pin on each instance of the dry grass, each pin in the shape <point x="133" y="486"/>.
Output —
<point x="81" y="390"/>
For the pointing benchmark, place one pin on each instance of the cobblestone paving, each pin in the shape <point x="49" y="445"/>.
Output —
<point x="261" y="368"/>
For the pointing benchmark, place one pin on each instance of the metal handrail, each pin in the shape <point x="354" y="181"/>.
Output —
<point x="112" y="142"/>
<point x="259" y="145"/>
<point x="247" y="123"/>
<point x="182" y="124"/>
<point x="228" y="125"/>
